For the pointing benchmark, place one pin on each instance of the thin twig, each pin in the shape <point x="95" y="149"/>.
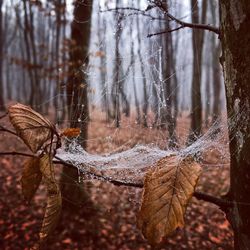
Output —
<point x="222" y="203"/>
<point x="172" y="18"/>
<point x="165" y="31"/>
<point x="17" y="153"/>
<point x="3" y="129"/>
<point x="137" y="12"/>
<point x="164" y="8"/>
<point x="2" y="116"/>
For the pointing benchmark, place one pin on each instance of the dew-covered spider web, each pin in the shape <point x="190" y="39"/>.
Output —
<point x="126" y="152"/>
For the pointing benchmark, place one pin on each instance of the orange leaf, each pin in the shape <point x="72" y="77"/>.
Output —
<point x="71" y="132"/>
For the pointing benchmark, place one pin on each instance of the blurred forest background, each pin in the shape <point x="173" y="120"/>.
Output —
<point x="99" y="65"/>
<point x="44" y="47"/>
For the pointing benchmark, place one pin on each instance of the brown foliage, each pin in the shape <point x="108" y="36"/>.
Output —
<point x="30" y="126"/>
<point x="167" y="190"/>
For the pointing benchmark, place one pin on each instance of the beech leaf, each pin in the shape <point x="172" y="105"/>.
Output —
<point x="31" y="178"/>
<point x="51" y="216"/>
<point x="32" y="127"/>
<point x="54" y="200"/>
<point x="47" y="168"/>
<point x="167" y="190"/>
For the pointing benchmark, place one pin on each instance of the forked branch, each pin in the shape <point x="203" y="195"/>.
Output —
<point x="181" y="23"/>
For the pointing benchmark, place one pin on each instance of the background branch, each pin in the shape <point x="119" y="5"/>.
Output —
<point x="3" y="129"/>
<point x="171" y="17"/>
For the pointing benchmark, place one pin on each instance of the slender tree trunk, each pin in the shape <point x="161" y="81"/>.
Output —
<point x="30" y="31"/>
<point x="58" y="8"/>
<point x="2" y="106"/>
<point x="216" y="84"/>
<point x="101" y="32"/>
<point x="144" y="79"/>
<point x="116" y="79"/>
<point x="198" y="37"/>
<point x="168" y="66"/>
<point x="235" y="37"/>
<point x="216" y="49"/>
<point x="207" y="97"/>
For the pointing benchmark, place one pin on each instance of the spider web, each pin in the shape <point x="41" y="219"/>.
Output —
<point x="131" y="149"/>
<point x="128" y="157"/>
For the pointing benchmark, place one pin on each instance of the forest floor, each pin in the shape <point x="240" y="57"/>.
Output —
<point x="108" y="219"/>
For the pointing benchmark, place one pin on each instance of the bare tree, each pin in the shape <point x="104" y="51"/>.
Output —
<point x="144" y="79"/>
<point x="216" y="68"/>
<point x="117" y="65"/>
<point x="198" y="38"/>
<point x="170" y="116"/>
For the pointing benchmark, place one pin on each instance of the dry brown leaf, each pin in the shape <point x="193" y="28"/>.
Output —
<point x="31" y="178"/>
<point x="54" y="200"/>
<point x="32" y="127"/>
<point x="51" y="216"/>
<point x="47" y="168"/>
<point x="167" y="189"/>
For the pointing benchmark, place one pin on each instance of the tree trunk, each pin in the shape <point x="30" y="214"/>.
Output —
<point x="77" y="82"/>
<point x="168" y="91"/>
<point x="2" y="107"/>
<point x="116" y="78"/>
<point x="144" y="80"/>
<point x="198" y="37"/>
<point x="77" y="96"/>
<point x="235" y="37"/>
<point x="216" y="49"/>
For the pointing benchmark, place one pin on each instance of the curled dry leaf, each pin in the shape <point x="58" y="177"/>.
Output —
<point x="51" y="216"/>
<point x="47" y="168"/>
<point x="167" y="189"/>
<point x="32" y="127"/>
<point x="54" y="200"/>
<point x="71" y="132"/>
<point x="31" y="178"/>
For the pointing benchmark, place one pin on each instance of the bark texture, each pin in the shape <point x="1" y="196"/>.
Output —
<point x="235" y="38"/>
<point x="77" y="83"/>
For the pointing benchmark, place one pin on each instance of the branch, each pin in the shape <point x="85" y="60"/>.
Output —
<point x="194" y="25"/>
<point x="183" y="24"/>
<point x="172" y="18"/>
<point x="165" y="31"/>
<point x="3" y="129"/>
<point x="2" y="116"/>
<point x="99" y="177"/>
<point x="222" y="203"/>
<point x="137" y="12"/>
<point x="17" y="153"/>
